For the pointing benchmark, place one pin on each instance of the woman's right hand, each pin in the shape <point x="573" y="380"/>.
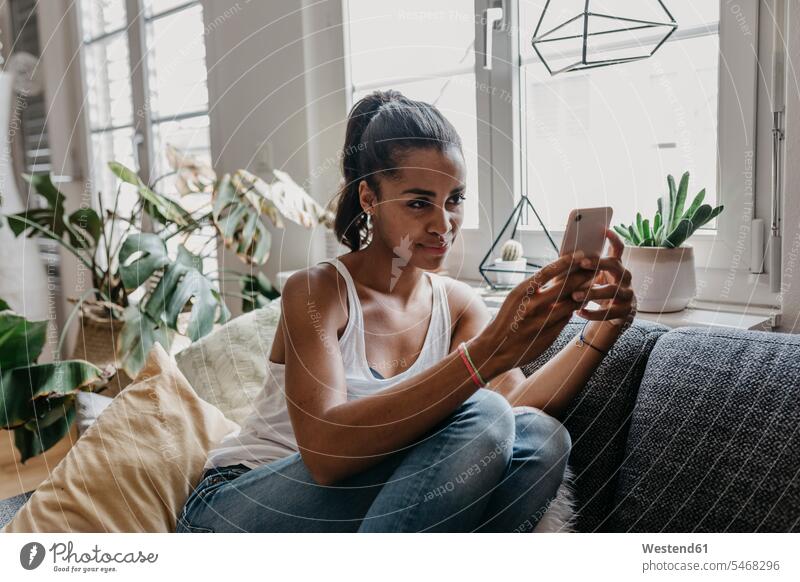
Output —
<point x="531" y="317"/>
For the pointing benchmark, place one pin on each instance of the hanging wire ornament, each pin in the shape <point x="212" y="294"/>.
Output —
<point x="573" y="35"/>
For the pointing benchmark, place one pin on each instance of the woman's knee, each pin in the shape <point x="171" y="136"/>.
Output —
<point x="543" y="436"/>
<point x="491" y="421"/>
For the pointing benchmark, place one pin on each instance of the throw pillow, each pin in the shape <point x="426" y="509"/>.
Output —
<point x="134" y="468"/>
<point x="228" y="367"/>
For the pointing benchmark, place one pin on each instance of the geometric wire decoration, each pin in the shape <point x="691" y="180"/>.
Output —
<point x="574" y="35"/>
<point x="516" y="215"/>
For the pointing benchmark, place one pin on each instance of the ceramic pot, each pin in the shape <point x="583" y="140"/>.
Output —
<point x="512" y="279"/>
<point x="663" y="279"/>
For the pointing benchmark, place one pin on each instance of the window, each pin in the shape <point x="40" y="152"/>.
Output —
<point x="401" y="46"/>
<point x="144" y="95"/>
<point x="604" y="136"/>
<point x="609" y="136"/>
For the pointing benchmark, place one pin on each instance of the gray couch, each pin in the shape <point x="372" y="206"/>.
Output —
<point x="682" y="430"/>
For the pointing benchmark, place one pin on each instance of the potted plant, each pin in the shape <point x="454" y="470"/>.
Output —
<point x="513" y="263"/>
<point x="142" y="292"/>
<point x="656" y="254"/>
<point x="38" y="400"/>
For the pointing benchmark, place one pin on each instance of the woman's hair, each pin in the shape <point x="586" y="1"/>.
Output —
<point x="380" y="128"/>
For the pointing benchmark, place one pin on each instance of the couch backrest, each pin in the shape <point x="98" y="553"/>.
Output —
<point x="599" y="416"/>
<point x="714" y="442"/>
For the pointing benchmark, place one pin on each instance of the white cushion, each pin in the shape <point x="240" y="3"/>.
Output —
<point x="228" y="367"/>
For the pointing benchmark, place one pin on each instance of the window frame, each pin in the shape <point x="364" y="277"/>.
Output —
<point x="143" y="122"/>
<point x="722" y="254"/>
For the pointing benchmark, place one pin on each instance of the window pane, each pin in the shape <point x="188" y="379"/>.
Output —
<point x="390" y="40"/>
<point x="455" y="98"/>
<point x="101" y="16"/>
<point x="609" y="136"/>
<point x="156" y="7"/>
<point x="110" y="146"/>
<point x="177" y="63"/>
<point x="108" y="83"/>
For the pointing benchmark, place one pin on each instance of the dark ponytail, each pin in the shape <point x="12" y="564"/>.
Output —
<point x="380" y="127"/>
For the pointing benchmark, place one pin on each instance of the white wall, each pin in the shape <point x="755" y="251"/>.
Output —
<point x="259" y="93"/>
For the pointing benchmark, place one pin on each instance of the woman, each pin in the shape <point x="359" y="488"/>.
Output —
<point x="394" y="427"/>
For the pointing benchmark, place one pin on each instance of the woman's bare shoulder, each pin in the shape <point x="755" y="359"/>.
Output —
<point x="317" y="287"/>
<point x="461" y="297"/>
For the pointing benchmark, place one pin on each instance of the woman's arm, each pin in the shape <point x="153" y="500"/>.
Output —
<point x="336" y="436"/>
<point x="553" y="386"/>
<point x="472" y="316"/>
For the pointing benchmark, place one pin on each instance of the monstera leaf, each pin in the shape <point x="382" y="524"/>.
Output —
<point x="141" y="255"/>
<point x="242" y="199"/>
<point x="237" y="214"/>
<point x="181" y="284"/>
<point x="160" y="207"/>
<point x="257" y="291"/>
<point x="138" y="335"/>
<point x="192" y="174"/>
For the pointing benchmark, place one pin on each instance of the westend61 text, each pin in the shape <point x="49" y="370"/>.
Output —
<point x="670" y="549"/>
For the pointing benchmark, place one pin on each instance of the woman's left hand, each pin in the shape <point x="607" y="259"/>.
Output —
<point x="611" y="288"/>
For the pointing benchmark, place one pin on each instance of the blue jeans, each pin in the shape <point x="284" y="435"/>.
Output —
<point x="487" y="467"/>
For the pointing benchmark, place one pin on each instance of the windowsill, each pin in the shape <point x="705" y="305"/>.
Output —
<point x="699" y="313"/>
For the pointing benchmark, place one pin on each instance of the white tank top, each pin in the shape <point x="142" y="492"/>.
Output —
<point x="267" y="433"/>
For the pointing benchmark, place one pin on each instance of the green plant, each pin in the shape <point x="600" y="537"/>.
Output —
<point x="37" y="399"/>
<point x="511" y="250"/>
<point x="147" y="281"/>
<point x="671" y="225"/>
<point x="257" y="291"/>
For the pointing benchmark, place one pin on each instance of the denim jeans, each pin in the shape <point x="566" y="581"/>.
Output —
<point x="487" y="468"/>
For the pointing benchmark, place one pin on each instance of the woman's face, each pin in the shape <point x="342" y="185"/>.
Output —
<point x="421" y="206"/>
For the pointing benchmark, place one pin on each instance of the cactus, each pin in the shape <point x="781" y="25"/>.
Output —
<point x="511" y="250"/>
<point x="672" y="225"/>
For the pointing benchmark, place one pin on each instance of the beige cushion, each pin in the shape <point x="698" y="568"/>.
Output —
<point x="134" y="468"/>
<point x="228" y="367"/>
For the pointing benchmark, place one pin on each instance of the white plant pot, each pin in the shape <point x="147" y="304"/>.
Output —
<point x="663" y="279"/>
<point x="505" y="278"/>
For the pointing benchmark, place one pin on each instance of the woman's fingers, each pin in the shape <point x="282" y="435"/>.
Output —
<point x="611" y="291"/>
<point x="617" y="245"/>
<point x="614" y="312"/>
<point x="612" y="265"/>
<point x="574" y="281"/>
<point x="564" y="264"/>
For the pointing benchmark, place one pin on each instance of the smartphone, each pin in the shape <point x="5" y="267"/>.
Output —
<point x="586" y="231"/>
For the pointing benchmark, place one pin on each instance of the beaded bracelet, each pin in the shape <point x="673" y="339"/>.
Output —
<point x="473" y="370"/>
<point x="582" y="340"/>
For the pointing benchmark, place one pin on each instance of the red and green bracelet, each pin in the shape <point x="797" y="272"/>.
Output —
<point x="473" y="370"/>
